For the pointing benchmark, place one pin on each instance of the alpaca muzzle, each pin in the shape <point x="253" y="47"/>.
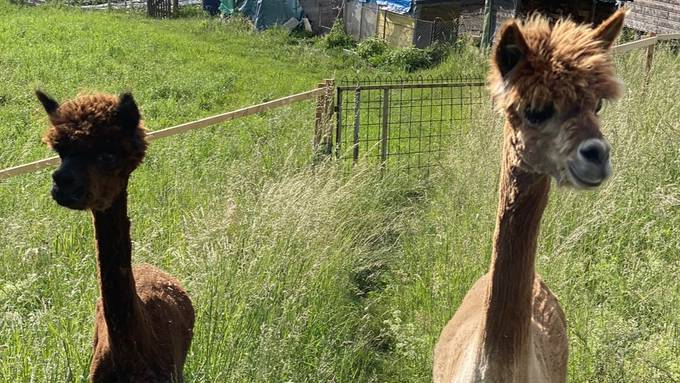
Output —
<point x="589" y="167"/>
<point x="69" y="187"/>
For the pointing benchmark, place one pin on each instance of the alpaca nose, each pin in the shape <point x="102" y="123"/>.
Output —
<point x="69" y="187"/>
<point x="595" y="151"/>
<point x="590" y="166"/>
<point x="63" y="178"/>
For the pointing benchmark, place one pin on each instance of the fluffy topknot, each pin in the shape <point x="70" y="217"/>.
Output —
<point x="564" y="63"/>
<point x="86" y="116"/>
<point x="93" y="123"/>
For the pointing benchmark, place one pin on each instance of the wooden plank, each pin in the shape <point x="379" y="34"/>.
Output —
<point x="644" y="42"/>
<point x="648" y="62"/>
<point x="208" y="121"/>
<point x="396" y="29"/>
<point x="28" y="168"/>
<point x="634" y="45"/>
<point x="182" y="128"/>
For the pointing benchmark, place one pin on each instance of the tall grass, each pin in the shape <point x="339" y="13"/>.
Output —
<point x="611" y="256"/>
<point x="302" y="273"/>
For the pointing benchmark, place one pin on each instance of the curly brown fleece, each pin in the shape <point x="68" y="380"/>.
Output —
<point x="144" y="319"/>
<point x="567" y="64"/>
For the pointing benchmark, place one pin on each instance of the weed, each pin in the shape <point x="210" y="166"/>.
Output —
<point x="337" y="38"/>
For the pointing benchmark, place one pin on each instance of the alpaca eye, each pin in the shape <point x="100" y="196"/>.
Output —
<point x="537" y="116"/>
<point x="106" y="159"/>
<point x="598" y="107"/>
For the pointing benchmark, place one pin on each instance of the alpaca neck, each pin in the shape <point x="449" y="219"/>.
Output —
<point x="522" y="200"/>
<point x="117" y="285"/>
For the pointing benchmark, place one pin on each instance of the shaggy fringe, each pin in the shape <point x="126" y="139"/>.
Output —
<point x="565" y="64"/>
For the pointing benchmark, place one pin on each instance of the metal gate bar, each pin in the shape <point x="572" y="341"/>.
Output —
<point x="385" y="124"/>
<point x="409" y="121"/>
<point x="411" y="86"/>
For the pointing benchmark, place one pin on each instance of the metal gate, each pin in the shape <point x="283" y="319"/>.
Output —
<point x="402" y="122"/>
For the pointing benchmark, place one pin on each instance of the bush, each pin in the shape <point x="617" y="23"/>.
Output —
<point x="409" y="59"/>
<point x="374" y="51"/>
<point x="378" y="53"/>
<point x="438" y="52"/>
<point x="337" y="38"/>
<point x="371" y="48"/>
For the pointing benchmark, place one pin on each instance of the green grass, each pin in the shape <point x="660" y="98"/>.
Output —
<point x="302" y="274"/>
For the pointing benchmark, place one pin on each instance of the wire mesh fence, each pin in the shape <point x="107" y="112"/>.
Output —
<point x="428" y="32"/>
<point x="161" y="8"/>
<point x="402" y="122"/>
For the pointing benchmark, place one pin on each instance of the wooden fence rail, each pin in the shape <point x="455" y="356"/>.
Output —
<point x="182" y="128"/>
<point x="650" y="44"/>
<point x="646" y="42"/>
<point x="321" y="91"/>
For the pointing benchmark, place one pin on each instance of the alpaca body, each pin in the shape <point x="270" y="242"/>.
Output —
<point x="144" y="319"/>
<point x="516" y="323"/>
<point x="549" y="81"/>
<point x="156" y="354"/>
<point x="459" y="356"/>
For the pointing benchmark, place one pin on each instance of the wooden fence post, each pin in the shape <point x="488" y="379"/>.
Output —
<point x="328" y="113"/>
<point x="649" y="59"/>
<point x="323" y="130"/>
<point x="318" y="121"/>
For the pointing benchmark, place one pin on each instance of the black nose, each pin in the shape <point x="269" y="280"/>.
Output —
<point x="63" y="178"/>
<point x="595" y="151"/>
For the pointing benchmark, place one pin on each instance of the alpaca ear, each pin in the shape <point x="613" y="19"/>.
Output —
<point x="127" y="113"/>
<point x="50" y="104"/>
<point x="609" y="29"/>
<point x="510" y="49"/>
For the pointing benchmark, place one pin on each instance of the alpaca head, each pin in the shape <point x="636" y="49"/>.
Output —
<point x="100" y="141"/>
<point x="550" y="82"/>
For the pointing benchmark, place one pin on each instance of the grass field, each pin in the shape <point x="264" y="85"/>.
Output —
<point x="307" y="275"/>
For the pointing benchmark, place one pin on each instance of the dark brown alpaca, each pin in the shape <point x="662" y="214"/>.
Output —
<point x="549" y="82"/>
<point x="144" y="319"/>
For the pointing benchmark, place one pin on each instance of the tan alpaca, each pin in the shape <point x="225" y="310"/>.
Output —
<point x="144" y="319"/>
<point x="549" y="82"/>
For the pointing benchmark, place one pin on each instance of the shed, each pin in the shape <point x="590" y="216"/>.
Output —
<point x="321" y="13"/>
<point x="422" y="22"/>
<point x="403" y="23"/>
<point x="582" y="11"/>
<point x="472" y="14"/>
